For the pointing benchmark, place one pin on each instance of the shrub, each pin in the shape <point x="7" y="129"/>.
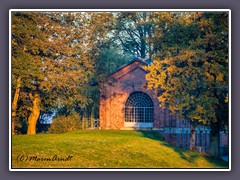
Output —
<point x="62" y="124"/>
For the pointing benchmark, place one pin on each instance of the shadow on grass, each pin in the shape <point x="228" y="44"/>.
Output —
<point x="157" y="136"/>
<point x="190" y="158"/>
<point x="187" y="155"/>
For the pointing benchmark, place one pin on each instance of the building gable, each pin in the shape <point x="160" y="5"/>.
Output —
<point x="128" y="68"/>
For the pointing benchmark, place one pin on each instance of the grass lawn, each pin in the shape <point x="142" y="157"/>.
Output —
<point x="104" y="149"/>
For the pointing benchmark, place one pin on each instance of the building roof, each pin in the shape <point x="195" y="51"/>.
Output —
<point x="145" y="62"/>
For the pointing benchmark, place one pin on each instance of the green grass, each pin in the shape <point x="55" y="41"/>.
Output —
<point x="105" y="149"/>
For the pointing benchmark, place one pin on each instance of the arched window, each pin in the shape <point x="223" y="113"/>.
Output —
<point x="139" y="108"/>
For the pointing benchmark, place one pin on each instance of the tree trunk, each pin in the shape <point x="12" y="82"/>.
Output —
<point x="193" y="138"/>
<point x="14" y="104"/>
<point x="215" y="140"/>
<point x="35" y="112"/>
<point x="214" y="146"/>
<point x="143" y="47"/>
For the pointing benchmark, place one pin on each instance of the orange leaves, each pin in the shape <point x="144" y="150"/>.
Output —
<point x="193" y="70"/>
<point x="220" y="77"/>
<point x="51" y="55"/>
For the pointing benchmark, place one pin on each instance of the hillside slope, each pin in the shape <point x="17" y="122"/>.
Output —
<point x="104" y="149"/>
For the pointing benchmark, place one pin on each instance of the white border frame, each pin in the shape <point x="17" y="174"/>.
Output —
<point x="115" y="10"/>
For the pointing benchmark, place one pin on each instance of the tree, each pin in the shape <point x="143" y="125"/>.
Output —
<point x="191" y="71"/>
<point x="132" y="30"/>
<point x="24" y="37"/>
<point x="139" y="33"/>
<point x="53" y="68"/>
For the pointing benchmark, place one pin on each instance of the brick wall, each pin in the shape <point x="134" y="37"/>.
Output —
<point x="116" y="91"/>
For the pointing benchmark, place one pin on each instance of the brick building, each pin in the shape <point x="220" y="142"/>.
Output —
<point x="125" y="103"/>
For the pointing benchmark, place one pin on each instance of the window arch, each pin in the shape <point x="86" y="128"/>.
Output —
<point x="139" y="108"/>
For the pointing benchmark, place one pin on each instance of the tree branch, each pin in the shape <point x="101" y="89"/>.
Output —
<point x="31" y="96"/>
<point x="28" y="108"/>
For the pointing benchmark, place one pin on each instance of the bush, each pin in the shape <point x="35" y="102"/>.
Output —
<point x="63" y="124"/>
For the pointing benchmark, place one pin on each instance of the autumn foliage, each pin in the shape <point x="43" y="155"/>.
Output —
<point x="60" y="58"/>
